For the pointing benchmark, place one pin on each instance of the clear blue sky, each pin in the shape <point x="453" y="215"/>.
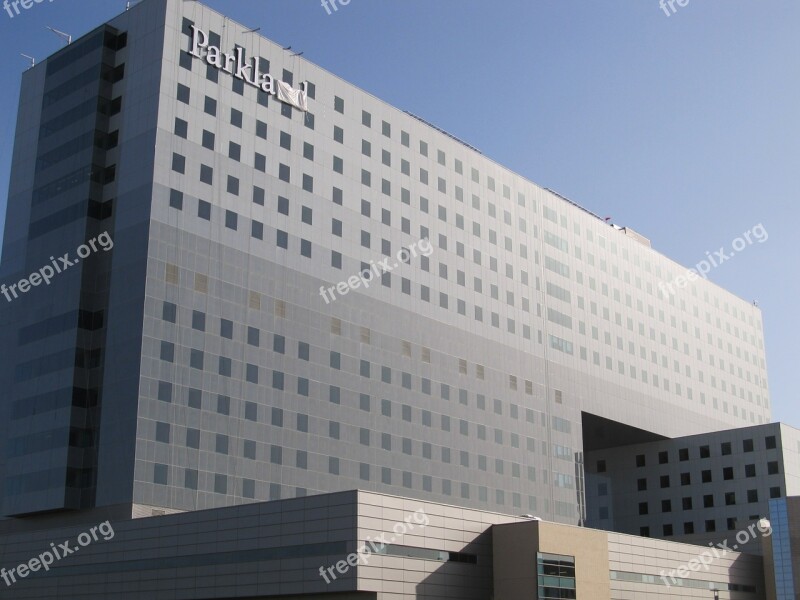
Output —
<point x="685" y="128"/>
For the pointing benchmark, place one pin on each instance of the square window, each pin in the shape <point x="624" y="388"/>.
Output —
<point x="302" y="423"/>
<point x="747" y="445"/>
<point x="176" y="199"/>
<point x="194" y="398"/>
<point x="641" y="484"/>
<point x="208" y="139"/>
<point x="251" y="373"/>
<point x="277" y="380"/>
<point x="160" y="474"/>
<point x="338" y="104"/>
<point x="210" y="106"/>
<point x="663" y="457"/>
<point x="725" y="448"/>
<point x="705" y="451"/>
<point x="198" y="320"/>
<point x="165" y="391"/>
<point x="226" y="328"/>
<point x="224" y="366"/>
<point x="181" y="128"/>
<point x="236" y="118"/>
<point x="770" y="442"/>
<point x="231" y="220"/>
<point x="183" y="93"/>
<point x="162" y="432"/>
<point x="640" y="460"/>
<point x="204" y="210"/>
<point x="234" y="151"/>
<point x="169" y="312"/>
<point x="178" y="163"/>
<point x="282" y="239"/>
<point x="193" y="438"/>
<point x="167" y="351"/>
<point x="258" y="195"/>
<point x="206" y="174"/>
<point x="190" y="479"/>
<point x="221" y="446"/>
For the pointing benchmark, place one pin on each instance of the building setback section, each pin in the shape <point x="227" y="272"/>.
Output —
<point x="700" y="489"/>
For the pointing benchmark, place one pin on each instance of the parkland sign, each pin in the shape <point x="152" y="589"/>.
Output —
<point x="247" y="71"/>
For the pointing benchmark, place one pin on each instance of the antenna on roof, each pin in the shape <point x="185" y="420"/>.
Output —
<point x="30" y="58"/>
<point x="61" y="34"/>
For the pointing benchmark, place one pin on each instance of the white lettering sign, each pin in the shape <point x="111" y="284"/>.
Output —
<point x="236" y="65"/>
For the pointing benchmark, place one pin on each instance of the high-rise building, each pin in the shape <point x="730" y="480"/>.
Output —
<point x="226" y="350"/>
